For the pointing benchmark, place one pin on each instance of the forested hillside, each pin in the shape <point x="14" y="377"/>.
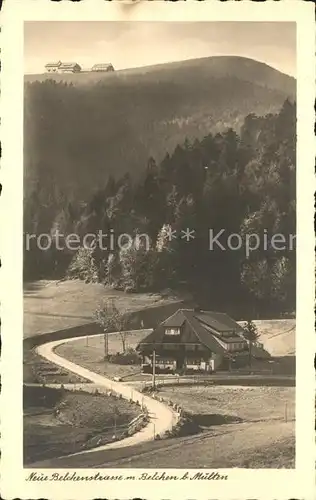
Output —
<point x="81" y="128"/>
<point x="241" y="182"/>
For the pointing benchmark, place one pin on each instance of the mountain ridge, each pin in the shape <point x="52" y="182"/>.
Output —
<point x="78" y="135"/>
<point x="245" y="61"/>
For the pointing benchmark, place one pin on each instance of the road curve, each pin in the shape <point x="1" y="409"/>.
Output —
<point x="161" y="417"/>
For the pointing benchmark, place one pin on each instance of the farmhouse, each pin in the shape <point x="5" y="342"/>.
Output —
<point x="105" y="67"/>
<point x="69" y="67"/>
<point x="193" y="340"/>
<point x="53" y="67"/>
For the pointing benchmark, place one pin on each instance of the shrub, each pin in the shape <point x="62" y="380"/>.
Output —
<point x="130" y="357"/>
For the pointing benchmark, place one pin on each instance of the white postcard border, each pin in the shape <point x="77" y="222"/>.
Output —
<point x="279" y="484"/>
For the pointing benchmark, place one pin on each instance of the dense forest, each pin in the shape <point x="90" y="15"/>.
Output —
<point x="240" y="181"/>
<point x="77" y="131"/>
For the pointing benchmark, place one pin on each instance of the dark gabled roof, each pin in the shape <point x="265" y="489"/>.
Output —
<point x="176" y="320"/>
<point x="220" y="322"/>
<point x="192" y="332"/>
<point x="157" y="336"/>
<point x="205" y="337"/>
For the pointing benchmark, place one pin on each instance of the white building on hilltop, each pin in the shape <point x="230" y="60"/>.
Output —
<point x="53" y="67"/>
<point x="105" y="67"/>
<point x="60" y="67"/>
<point x="69" y="67"/>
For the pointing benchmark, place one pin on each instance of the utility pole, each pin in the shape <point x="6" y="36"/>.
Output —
<point x="154" y="369"/>
<point x="106" y="345"/>
<point x="250" y="355"/>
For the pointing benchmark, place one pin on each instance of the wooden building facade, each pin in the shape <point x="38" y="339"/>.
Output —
<point x="193" y="341"/>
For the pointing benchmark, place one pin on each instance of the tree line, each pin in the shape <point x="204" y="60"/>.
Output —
<point x="242" y="183"/>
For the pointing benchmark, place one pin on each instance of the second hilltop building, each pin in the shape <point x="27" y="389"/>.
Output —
<point x="74" y="67"/>
<point x="105" y="67"/>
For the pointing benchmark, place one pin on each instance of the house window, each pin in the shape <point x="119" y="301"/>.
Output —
<point x="172" y="331"/>
<point x="195" y="362"/>
<point x="165" y="362"/>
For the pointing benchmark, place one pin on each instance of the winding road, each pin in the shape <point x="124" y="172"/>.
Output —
<point x="161" y="417"/>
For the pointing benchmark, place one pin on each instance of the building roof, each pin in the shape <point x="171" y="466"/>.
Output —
<point x="196" y="329"/>
<point x="176" y="320"/>
<point x="65" y="65"/>
<point x="205" y="337"/>
<point x="220" y="322"/>
<point x="102" y="66"/>
<point x="53" y="64"/>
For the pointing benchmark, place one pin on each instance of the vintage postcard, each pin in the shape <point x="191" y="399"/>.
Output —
<point x="157" y="250"/>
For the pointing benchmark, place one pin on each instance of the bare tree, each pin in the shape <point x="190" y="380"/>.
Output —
<point x="111" y="319"/>
<point x="123" y="335"/>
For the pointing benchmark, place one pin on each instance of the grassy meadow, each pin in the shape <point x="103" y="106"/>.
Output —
<point x="83" y="420"/>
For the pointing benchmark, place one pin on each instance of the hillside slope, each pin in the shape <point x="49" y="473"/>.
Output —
<point x="278" y="336"/>
<point x="217" y="66"/>
<point x="76" y="135"/>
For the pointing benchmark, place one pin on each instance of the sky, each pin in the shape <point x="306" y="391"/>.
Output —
<point x="136" y="44"/>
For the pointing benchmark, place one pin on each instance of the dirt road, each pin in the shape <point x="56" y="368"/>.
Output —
<point x="161" y="417"/>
